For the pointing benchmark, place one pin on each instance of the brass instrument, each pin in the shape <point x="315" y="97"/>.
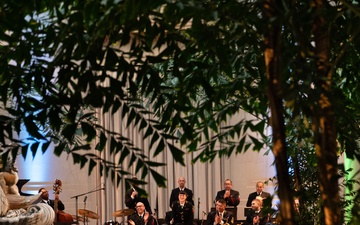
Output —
<point x="226" y="220"/>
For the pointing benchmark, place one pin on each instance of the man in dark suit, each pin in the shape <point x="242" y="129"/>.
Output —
<point x="132" y="197"/>
<point x="141" y="217"/>
<point x="259" y="192"/>
<point x="175" y="192"/>
<point x="45" y="199"/>
<point x="231" y="197"/>
<point x="256" y="215"/>
<point x="182" y="211"/>
<point x="220" y="216"/>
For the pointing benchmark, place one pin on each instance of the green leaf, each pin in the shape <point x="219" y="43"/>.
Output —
<point x="59" y="149"/>
<point x="160" y="180"/>
<point x="24" y="149"/>
<point x="124" y="153"/>
<point x="148" y="132"/>
<point x="143" y="124"/>
<point x="45" y="146"/>
<point x="81" y="147"/>
<point x="131" y="117"/>
<point x="177" y="154"/>
<point x="116" y="106"/>
<point x="257" y="144"/>
<point x="159" y="148"/>
<point x="154" y="139"/>
<point x="113" y="145"/>
<point x="92" y="165"/>
<point x="140" y="164"/>
<point x="69" y="131"/>
<point x="102" y="142"/>
<point x="154" y="164"/>
<point x="32" y="128"/>
<point x="89" y="131"/>
<point x="34" y="147"/>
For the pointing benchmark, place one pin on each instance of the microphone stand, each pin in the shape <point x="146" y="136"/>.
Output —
<point x="198" y="208"/>
<point x="202" y="220"/>
<point x="76" y="200"/>
<point x="85" y="209"/>
<point x="156" y="216"/>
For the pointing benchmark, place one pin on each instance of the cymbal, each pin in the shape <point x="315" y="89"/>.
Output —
<point x="88" y="213"/>
<point x="123" y="212"/>
<point x="80" y="218"/>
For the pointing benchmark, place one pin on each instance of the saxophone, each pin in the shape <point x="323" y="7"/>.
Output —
<point x="226" y="220"/>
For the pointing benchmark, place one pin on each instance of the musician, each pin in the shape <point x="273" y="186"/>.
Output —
<point x="141" y="217"/>
<point x="220" y="216"/>
<point x="132" y="197"/>
<point x="175" y="192"/>
<point x="256" y="215"/>
<point x="259" y="192"/>
<point x="231" y="196"/>
<point x="45" y="199"/>
<point x="182" y="211"/>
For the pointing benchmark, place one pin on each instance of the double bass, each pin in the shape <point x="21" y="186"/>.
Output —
<point x="60" y="215"/>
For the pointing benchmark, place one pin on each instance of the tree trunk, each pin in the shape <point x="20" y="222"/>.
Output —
<point x="323" y="123"/>
<point x="272" y="55"/>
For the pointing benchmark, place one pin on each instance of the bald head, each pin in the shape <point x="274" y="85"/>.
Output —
<point x="181" y="182"/>
<point x="259" y="186"/>
<point x="140" y="208"/>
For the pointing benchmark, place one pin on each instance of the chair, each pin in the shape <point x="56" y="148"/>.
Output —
<point x="247" y="211"/>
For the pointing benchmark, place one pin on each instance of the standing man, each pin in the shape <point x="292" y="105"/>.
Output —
<point x="132" y="197"/>
<point x="231" y="196"/>
<point x="182" y="211"/>
<point x="175" y="192"/>
<point x="220" y="216"/>
<point x="259" y="192"/>
<point x="141" y="217"/>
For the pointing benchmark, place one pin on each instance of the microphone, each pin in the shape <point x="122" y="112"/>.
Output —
<point x="85" y="198"/>
<point x="204" y="213"/>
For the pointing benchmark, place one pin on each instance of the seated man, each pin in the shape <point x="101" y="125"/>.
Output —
<point x="45" y="199"/>
<point x="141" y="217"/>
<point x="182" y="211"/>
<point x="256" y="215"/>
<point x="132" y="197"/>
<point x="259" y="192"/>
<point x="220" y="216"/>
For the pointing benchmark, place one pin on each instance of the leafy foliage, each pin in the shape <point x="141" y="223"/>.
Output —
<point x="176" y="71"/>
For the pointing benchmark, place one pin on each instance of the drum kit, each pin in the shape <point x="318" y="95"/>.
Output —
<point x="87" y="214"/>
